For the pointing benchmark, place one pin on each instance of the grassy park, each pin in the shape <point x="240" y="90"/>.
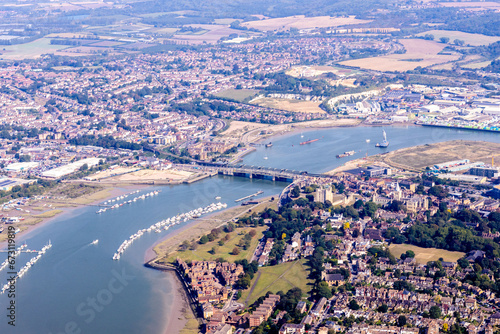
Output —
<point x="281" y="277"/>
<point x="424" y="255"/>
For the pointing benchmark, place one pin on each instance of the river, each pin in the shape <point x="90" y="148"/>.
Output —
<point x="77" y="288"/>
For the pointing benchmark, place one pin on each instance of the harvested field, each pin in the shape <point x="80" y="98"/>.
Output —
<point x="419" y="157"/>
<point x="477" y="65"/>
<point x="302" y="22"/>
<point x="290" y="105"/>
<point x="107" y="44"/>
<point x="472" y="39"/>
<point x="424" y="255"/>
<point x="416" y="49"/>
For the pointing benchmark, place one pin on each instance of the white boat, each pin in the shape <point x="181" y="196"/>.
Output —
<point x="95" y="242"/>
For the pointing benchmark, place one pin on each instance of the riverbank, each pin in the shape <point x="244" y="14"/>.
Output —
<point x="200" y="226"/>
<point x="58" y="207"/>
<point x="181" y="319"/>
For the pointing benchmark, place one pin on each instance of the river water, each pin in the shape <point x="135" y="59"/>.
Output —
<point x="77" y="288"/>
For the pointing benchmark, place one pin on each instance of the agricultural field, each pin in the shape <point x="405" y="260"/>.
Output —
<point x="419" y="157"/>
<point x="29" y="50"/>
<point x="204" y="252"/>
<point x="281" y="277"/>
<point x="424" y="255"/>
<point x="239" y="95"/>
<point x="477" y="65"/>
<point x="290" y="105"/>
<point x="419" y="52"/>
<point x="473" y="5"/>
<point x="470" y="39"/>
<point x="211" y="34"/>
<point x="302" y="22"/>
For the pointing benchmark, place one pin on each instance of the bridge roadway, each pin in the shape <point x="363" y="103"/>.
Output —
<point x="259" y="172"/>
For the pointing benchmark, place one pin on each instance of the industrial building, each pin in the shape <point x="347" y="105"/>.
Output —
<point x="61" y="171"/>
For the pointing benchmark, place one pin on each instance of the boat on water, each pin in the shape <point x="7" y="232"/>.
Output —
<point x="95" y="242"/>
<point x="217" y="197"/>
<point x="383" y="143"/>
<point x="345" y="154"/>
<point x="308" y="141"/>
<point x="265" y="158"/>
<point x="269" y="144"/>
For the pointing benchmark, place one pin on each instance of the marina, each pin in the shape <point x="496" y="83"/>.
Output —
<point x="117" y="205"/>
<point x="26" y="267"/>
<point x="148" y="298"/>
<point x="166" y="224"/>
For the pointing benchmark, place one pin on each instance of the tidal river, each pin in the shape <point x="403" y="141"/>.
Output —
<point x="76" y="287"/>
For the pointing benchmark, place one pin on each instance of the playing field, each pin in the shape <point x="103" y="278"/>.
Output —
<point x="281" y="277"/>
<point x="302" y="22"/>
<point x="472" y="39"/>
<point x="237" y="94"/>
<point x="419" y="52"/>
<point x="290" y="105"/>
<point x="424" y="255"/>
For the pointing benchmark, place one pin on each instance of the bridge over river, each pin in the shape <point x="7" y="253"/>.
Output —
<point x="259" y="172"/>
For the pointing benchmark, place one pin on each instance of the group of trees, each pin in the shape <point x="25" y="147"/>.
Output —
<point x="104" y="141"/>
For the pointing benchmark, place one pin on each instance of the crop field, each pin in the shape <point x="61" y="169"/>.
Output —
<point x="281" y="277"/>
<point x="471" y="39"/>
<point x="419" y="52"/>
<point x="302" y="22"/>
<point x="424" y="255"/>
<point x="419" y="157"/>
<point x="237" y="94"/>
<point x="290" y="105"/>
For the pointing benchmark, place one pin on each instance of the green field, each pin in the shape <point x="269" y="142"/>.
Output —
<point x="29" y="50"/>
<point x="471" y="39"/>
<point x="237" y="94"/>
<point x="424" y="255"/>
<point x="203" y="252"/>
<point x="281" y="277"/>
